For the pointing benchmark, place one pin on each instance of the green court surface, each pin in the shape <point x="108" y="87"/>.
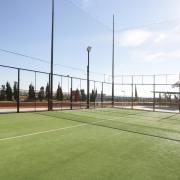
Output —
<point x="95" y="144"/>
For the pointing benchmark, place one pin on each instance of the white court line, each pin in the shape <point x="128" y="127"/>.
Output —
<point x="116" y="134"/>
<point x="42" y="132"/>
<point x="48" y="131"/>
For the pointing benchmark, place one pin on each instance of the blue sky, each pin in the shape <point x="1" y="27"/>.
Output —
<point x="142" y="44"/>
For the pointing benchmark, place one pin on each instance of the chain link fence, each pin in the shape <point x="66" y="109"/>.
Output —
<point x="23" y="90"/>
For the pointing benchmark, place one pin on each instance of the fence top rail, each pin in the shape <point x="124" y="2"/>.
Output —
<point x="145" y="75"/>
<point x="95" y="81"/>
<point x="23" y="69"/>
<point x="43" y="72"/>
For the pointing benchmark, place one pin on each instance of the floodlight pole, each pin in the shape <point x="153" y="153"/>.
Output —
<point x="88" y="50"/>
<point x="52" y="57"/>
<point x="113" y="66"/>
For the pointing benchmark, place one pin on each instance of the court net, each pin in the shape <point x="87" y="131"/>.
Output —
<point x="157" y="125"/>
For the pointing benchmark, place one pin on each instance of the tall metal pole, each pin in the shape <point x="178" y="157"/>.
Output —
<point x="88" y="50"/>
<point x="88" y="82"/>
<point x="52" y="57"/>
<point x="113" y="66"/>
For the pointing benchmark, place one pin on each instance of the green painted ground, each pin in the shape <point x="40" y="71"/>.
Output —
<point x="102" y="144"/>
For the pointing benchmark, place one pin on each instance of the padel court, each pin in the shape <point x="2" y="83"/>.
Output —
<point x="94" y="144"/>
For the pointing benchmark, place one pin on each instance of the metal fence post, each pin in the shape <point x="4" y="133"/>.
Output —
<point x="80" y="93"/>
<point x="68" y="98"/>
<point x="62" y="92"/>
<point x="132" y="98"/>
<point x="166" y="100"/>
<point x="94" y="94"/>
<point x="102" y="95"/>
<point x="49" y="93"/>
<point x="35" y="93"/>
<point x="18" y="98"/>
<point x="179" y="93"/>
<point x="154" y="93"/>
<point x="71" y="93"/>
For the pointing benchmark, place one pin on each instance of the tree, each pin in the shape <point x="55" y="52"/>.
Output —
<point x="136" y="94"/>
<point x="59" y="93"/>
<point x="47" y="91"/>
<point x="93" y="96"/>
<point x="15" y="89"/>
<point x="41" y="94"/>
<point x="83" y="95"/>
<point x="9" y="93"/>
<point x="77" y="95"/>
<point x="31" y="93"/>
<point x="160" y="97"/>
<point x="3" y="93"/>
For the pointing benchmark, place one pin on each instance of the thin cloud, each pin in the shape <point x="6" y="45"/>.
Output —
<point x="171" y="36"/>
<point x="156" y="57"/>
<point x="85" y="3"/>
<point x="133" y="38"/>
<point x="161" y="37"/>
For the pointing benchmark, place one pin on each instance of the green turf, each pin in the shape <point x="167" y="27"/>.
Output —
<point x="96" y="144"/>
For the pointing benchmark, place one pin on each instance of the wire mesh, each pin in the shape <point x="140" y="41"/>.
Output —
<point x="144" y="92"/>
<point x="8" y="95"/>
<point x="28" y="93"/>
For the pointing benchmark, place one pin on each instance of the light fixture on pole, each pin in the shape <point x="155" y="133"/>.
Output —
<point x="88" y="50"/>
